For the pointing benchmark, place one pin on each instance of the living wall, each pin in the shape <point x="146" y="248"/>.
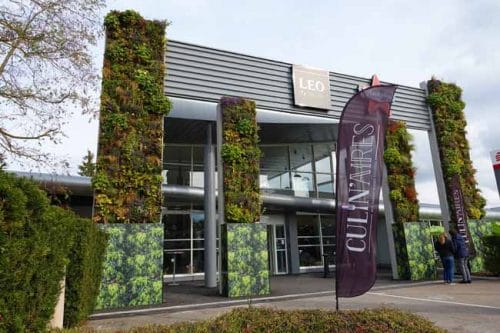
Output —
<point x="245" y="270"/>
<point x="240" y="157"/>
<point x="445" y="100"/>
<point x="400" y="172"/>
<point x="133" y="106"/>
<point x="38" y="246"/>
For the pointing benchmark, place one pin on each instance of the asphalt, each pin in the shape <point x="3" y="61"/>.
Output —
<point x="471" y="307"/>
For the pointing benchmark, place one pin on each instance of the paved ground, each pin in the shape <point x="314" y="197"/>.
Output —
<point x="459" y="308"/>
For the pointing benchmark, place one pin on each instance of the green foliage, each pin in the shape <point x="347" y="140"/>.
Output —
<point x="132" y="272"/>
<point x="87" y="168"/>
<point x="84" y="272"/>
<point x="449" y="121"/>
<point x="256" y="319"/>
<point x="240" y="156"/>
<point x="478" y="231"/>
<point x="245" y="260"/>
<point x="492" y="253"/>
<point x="35" y="240"/>
<point x="414" y="251"/>
<point x="133" y="106"/>
<point x="400" y="172"/>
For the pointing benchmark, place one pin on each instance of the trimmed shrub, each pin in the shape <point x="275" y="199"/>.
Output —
<point x="133" y="106"/>
<point x="35" y="239"/>
<point x="445" y="100"/>
<point x="83" y="275"/>
<point x="255" y="319"/>
<point x="492" y="253"/>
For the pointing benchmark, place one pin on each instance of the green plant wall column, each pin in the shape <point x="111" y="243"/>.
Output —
<point x="133" y="267"/>
<point x="414" y="251"/>
<point x="400" y="172"/>
<point x="478" y="230"/>
<point x="445" y="100"/>
<point x="133" y="106"/>
<point x="240" y="160"/>
<point x="245" y="263"/>
<point x="245" y="270"/>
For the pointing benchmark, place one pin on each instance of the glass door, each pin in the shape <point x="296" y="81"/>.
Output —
<point x="280" y="255"/>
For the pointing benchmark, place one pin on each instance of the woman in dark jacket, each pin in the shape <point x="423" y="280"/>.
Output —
<point x="444" y="247"/>
<point x="461" y="254"/>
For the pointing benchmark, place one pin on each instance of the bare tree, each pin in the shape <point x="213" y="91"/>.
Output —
<point x="46" y="70"/>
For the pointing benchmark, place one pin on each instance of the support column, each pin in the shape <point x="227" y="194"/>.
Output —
<point x="389" y="220"/>
<point x="438" y="171"/>
<point x="293" y="245"/>
<point x="210" y="227"/>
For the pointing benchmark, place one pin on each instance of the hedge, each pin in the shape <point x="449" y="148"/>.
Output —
<point x="83" y="276"/>
<point x="445" y="100"/>
<point x="35" y="244"/>
<point x="254" y="319"/>
<point x="35" y="239"/>
<point x="133" y="106"/>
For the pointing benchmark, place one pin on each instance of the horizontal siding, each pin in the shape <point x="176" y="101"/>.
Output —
<point x="204" y="73"/>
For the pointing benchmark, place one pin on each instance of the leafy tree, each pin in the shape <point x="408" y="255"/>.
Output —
<point x="46" y="70"/>
<point x="87" y="168"/>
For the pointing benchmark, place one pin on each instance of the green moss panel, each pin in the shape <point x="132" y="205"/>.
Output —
<point x="245" y="260"/>
<point x="414" y="251"/>
<point x="132" y="274"/>
<point x="479" y="229"/>
<point x="127" y="182"/>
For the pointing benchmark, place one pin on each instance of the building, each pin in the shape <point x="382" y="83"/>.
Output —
<point x="298" y="141"/>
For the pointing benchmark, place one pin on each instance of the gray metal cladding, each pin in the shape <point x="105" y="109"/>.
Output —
<point x="203" y="73"/>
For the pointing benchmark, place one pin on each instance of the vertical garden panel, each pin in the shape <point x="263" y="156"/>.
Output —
<point x="245" y="268"/>
<point x="414" y="251"/>
<point x="479" y="229"/>
<point x="133" y="273"/>
<point x="245" y="265"/>
<point x="127" y="182"/>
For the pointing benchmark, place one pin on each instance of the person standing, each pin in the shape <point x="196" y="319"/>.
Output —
<point x="461" y="254"/>
<point x="444" y="248"/>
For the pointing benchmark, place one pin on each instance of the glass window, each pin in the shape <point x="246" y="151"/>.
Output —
<point x="274" y="180"/>
<point x="307" y="225"/>
<point x="177" y="154"/>
<point x="310" y="256"/>
<point x="302" y="184"/>
<point x="324" y="183"/>
<point x="322" y="155"/>
<point x="178" y="227"/>
<point x="182" y="262"/>
<point x="178" y="174"/>
<point x="197" y="177"/>
<point x="274" y="158"/>
<point x="198" y="155"/>
<point x="301" y="158"/>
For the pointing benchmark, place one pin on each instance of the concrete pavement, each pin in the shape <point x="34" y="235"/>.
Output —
<point x="459" y="308"/>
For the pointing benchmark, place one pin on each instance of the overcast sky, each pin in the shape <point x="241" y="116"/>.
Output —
<point x="404" y="42"/>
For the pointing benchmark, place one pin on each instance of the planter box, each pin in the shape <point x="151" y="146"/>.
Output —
<point x="133" y="267"/>
<point x="414" y="251"/>
<point x="245" y="263"/>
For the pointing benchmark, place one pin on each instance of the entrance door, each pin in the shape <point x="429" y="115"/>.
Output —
<point x="279" y="249"/>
